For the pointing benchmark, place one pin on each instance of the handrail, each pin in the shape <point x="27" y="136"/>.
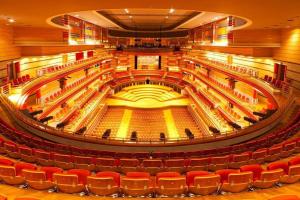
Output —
<point x="20" y="117"/>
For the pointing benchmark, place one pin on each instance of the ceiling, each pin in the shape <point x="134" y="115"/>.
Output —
<point x="262" y="14"/>
<point x="148" y="19"/>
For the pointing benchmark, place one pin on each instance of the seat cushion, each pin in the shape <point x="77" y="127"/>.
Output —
<point x="255" y="169"/>
<point x="81" y="173"/>
<point x="279" y="165"/>
<point x="115" y="175"/>
<point x="4" y="161"/>
<point x="224" y="174"/>
<point x="137" y="175"/>
<point x="50" y="171"/>
<point x="192" y="174"/>
<point x="20" y="166"/>
<point x="294" y="161"/>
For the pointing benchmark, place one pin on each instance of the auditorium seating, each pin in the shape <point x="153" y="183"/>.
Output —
<point x="104" y="183"/>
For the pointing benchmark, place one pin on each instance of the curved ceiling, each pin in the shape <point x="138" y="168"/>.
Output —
<point x="263" y="14"/>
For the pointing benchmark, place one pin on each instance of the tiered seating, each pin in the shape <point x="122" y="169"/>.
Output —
<point x="275" y="82"/>
<point x="183" y="120"/>
<point x="142" y="183"/>
<point x="111" y="120"/>
<point x="147" y="123"/>
<point x="21" y="80"/>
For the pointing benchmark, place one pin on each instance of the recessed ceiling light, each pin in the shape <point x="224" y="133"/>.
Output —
<point x="10" y="20"/>
<point x="126" y="10"/>
<point x="76" y="15"/>
<point x="130" y="17"/>
<point x="166" y="17"/>
<point x="171" y="10"/>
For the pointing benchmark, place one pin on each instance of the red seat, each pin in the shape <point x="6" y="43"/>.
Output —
<point x="138" y="175"/>
<point x="224" y="173"/>
<point x="81" y="173"/>
<point x="20" y="166"/>
<point x="4" y="161"/>
<point x="167" y="175"/>
<point x="218" y="163"/>
<point x="176" y="165"/>
<point x="43" y="158"/>
<point x="195" y="164"/>
<point x="190" y="176"/>
<point x="114" y="175"/>
<point x="294" y="161"/>
<point x="50" y="171"/>
<point x="279" y="165"/>
<point x="255" y="169"/>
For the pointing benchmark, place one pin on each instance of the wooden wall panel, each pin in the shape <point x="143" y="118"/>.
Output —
<point x="27" y="35"/>
<point x="256" y="37"/>
<point x="290" y="46"/>
<point x="8" y="50"/>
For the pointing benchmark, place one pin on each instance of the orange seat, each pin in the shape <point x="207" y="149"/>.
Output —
<point x="288" y="149"/>
<point x="68" y="183"/>
<point x="2" y="197"/>
<point x="11" y="149"/>
<point x="81" y="173"/>
<point x="137" y="184"/>
<point x="63" y="161"/>
<point x="196" y="164"/>
<point x="26" y="198"/>
<point x="152" y="166"/>
<point x="273" y="154"/>
<point x="105" y="164"/>
<point x="171" y="186"/>
<point x="43" y="158"/>
<point x="26" y="154"/>
<point x="175" y="165"/>
<point x="239" y="160"/>
<point x="255" y="169"/>
<point x="12" y="175"/>
<point x="37" y="179"/>
<point x="128" y="165"/>
<point x="258" y="157"/>
<point x="205" y="184"/>
<point x="104" y="183"/>
<point x="237" y="182"/>
<point x="82" y="162"/>
<point x="268" y="178"/>
<point x="218" y="163"/>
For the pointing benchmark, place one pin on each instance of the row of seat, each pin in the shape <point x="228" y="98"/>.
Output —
<point x="266" y="141"/>
<point x="52" y="97"/>
<point x="275" y="82"/>
<point x="153" y="166"/>
<point x="143" y="184"/>
<point x="21" y="80"/>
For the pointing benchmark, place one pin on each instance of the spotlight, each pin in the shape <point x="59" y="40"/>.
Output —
<point x="171" y="10"/>
<point x="10" y="20"/>
<point x="126" y="10"/>
<point x="166" y="17"/>
<point x="130" y="17"/>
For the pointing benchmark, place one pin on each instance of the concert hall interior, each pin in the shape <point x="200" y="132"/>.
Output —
<point x="194" y="99"/>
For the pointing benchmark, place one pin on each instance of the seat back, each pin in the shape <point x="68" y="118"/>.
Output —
<point x="32" y="175"/>
<point x="152" y="163"/>
<point x="81" y="173"/>
<point x="82" y="160"/>
<point x="65" y="179"/>
<point x="294" y="161"/>
<point x="220" y="160"/>
<point x="261" y="153"/>
<point x="210" y="180"/>
<point x="255" y="169"/>
<point x="190" y="176"/>
<point x="199" y="161"/>
<point x="105" y="161"/>
<point x="42" y="154"/>
<point x="279" y="165"/>
<point x="294" y="170"/>
<point x="94" y="181"/>
<point x="25" y="150"/>
<point x="240" y="157"/>
<point x="175" y="163"/>
<point x="49" y="171"/>
<point x="134" y="183"/>
<point x="4" y="161"/>
<point x="21" y="166"/>
<point x="129" y="162"/>
<point x="272" y="175"/>
<point x="138" y="175"/>
<point x="114" y="175"/>
<point x="241" y="177"/>
<point x="7" y="171"/>
<point x="171" y="182"/>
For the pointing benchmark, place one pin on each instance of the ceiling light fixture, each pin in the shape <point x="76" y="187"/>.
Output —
<point x="172" y="10"/>
<point x="166" y="17"/>
<point x="126" y="10"/>
<point x="76" y="15"/>
<point x="130" y="17"/>
<point x="10" y="20"/>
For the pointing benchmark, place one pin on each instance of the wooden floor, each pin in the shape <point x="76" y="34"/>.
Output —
<point x="13" y="192"/>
